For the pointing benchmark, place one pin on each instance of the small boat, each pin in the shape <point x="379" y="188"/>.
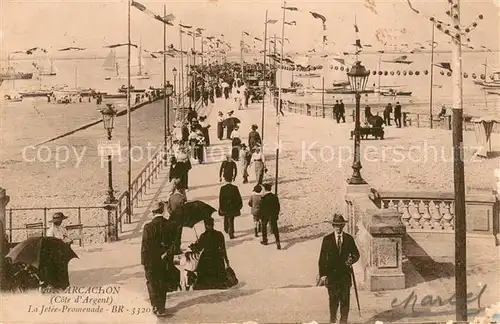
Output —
<point x="36" y="93"/>
<point x="16" y="76"/>
<point x="123" y="89"/>
<point x="340" y="83"/>
<point x="344" y="90"/>
<point x="12" y="98"/>
<point x="114" y="96"/>
<point x="393" y="93"/>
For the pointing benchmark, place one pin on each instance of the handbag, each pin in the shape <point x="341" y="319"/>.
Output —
<point x="231" y="280"/>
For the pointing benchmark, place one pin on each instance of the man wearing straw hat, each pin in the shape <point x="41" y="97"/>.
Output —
<point x="338" y="254"/>
<point x="57" y="230"/>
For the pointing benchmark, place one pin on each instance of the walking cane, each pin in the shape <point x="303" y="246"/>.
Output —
<point x="355" y="290"/>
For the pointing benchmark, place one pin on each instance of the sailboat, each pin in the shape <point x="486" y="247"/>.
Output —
<point x="110" y="61"/>
<point x="50" y="72"/>
<point x="137" y="67"/>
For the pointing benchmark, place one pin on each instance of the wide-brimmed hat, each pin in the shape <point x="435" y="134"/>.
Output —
<point x="59" y="215"/>
<point x="338" y="219"/>
<point x="157" y="205"/>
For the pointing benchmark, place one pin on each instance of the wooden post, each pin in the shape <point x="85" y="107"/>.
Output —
<point x="458" y="172"/>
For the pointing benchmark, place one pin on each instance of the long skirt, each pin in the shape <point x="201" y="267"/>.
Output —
<point x="259" y="171"/>
<point x="220" y="130"/>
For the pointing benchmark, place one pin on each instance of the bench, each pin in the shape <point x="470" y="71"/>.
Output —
<point x="377" y="132"/>
<point x="75" y="232"/>
<point x="34" y="229"/>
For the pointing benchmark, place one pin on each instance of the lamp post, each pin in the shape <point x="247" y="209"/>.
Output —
<point x="169" y="90"/>
<point x="174" y="72"/>
<point x="358" y="78"/>
<point x="108" y="117"/>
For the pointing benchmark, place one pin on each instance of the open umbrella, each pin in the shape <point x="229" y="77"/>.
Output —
<point x="192" y="213"/>
<point x="35" y="249"/>
<point x="231" y="121"/>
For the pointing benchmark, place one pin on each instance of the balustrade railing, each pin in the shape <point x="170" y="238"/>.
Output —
<point x="434" y="211"/>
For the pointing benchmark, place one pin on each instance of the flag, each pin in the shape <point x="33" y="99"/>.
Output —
<point x="148" y="12"/>
<point x="119" y="45"/>
<point x="200" y="30"/>
<point x="358" y="43"/>
<point x="71" y="48"/>
<point x="444" y="65"/>
<point x="356" y="29"/>
<point x="318" y="16"/>
<point x="290" y="8"/>
<point x="341" y="61"/>
<point x="291" y="23"/>
<point x="271" y="21"/>
<point x="185" y="26"/>
<point x="324" y="38"/>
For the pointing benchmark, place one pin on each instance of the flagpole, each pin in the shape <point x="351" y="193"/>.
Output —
<point x="241" y="58"/>
<point x="129" y="120"/>
<point x="165" y="98"/>
<point x="202" y="71"/>
<point x="182" y="70"/>
<point x="193" y="70"/>
<point x="279" y="99"/>
<point x="432" y="76"/>
<point x="264" y="83"/>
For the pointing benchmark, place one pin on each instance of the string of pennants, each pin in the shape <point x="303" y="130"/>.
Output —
<point x="481" y="76"/>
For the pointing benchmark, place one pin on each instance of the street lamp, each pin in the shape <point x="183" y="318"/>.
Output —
<point x="358" y="78"/>
<point x="108" y="118"/>
<point x="169" y="90"/>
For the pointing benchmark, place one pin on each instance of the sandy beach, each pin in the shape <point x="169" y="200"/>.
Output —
<point x="78" y="176"/>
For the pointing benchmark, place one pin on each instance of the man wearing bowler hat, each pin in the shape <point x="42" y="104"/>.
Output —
<point x="57" y="230"/>
<point x="338" y="253"/>
<point x="157" y="243"/>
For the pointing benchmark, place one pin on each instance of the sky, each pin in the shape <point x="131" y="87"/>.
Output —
<point x="92" y="24"/>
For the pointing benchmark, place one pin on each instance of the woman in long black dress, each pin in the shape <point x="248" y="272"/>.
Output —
<point x="211" y="270"/>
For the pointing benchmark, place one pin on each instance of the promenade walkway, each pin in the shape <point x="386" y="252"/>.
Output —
<point x="275" y="285"/>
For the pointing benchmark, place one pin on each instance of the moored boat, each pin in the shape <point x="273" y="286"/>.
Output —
<point x="123" y="89"/>
<point x="16" y="76"/>
<point x="36" y="93"/>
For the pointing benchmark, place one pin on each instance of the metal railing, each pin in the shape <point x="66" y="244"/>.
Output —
<point x="32" y="215"/>
<point x="142" y="183"/>
<point x="99" y="215"/>
<point x="408" y="119"/>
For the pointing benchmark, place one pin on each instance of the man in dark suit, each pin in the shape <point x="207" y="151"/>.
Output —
<point x="228" y="169"/>
<point x="336" y="109"/>
<point x="397" y="115"/>
<point x="156" y="241"/>
<point x="342" y="111"/>
<point x="338" y="253"/>
<point x="269" y="211"/>
<point x="174" y="202"/>
<point x="230" y="204"/>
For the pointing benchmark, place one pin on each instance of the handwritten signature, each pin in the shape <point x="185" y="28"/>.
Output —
<point x="436" y="301"/>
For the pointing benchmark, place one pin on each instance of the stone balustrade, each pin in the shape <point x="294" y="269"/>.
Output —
<point x="434" y="211"/>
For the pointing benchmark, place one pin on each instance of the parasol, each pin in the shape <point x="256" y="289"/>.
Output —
<point x="191" y="213"/>
<point x="231" y="121"/>
<point x="36" y="249"/>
